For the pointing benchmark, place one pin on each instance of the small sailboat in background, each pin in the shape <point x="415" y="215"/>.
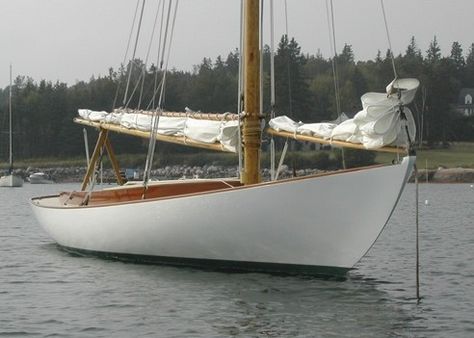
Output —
<point x="10" y="180"/>
<point x="318" y="224"/>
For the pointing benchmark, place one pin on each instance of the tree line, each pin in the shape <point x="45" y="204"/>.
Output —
<point x="304" y="83"/>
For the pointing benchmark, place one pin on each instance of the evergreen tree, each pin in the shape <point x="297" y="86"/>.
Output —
<point x="347" y="55"/>
<point x="292" y="93"/>
<point x="457" y="57"/>
<point x="411" y="64"/>
<point x="469" y="74"/>
<point x="433" y="54"/>
<point x="412" y="50"/>
<point x="304" y="87"/>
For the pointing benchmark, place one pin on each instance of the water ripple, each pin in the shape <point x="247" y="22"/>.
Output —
<point x="50" y="293"/>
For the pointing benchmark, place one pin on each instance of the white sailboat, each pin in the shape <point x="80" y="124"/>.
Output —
<point x="10" y="180"/>
<point x="322" y="224"/>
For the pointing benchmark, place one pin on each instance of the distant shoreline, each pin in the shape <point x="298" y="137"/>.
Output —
<point x="76" y="174"/>
<point x="445" y="175"/>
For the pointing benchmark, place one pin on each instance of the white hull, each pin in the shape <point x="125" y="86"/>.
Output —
<point x="39" y="178"/>
<point x="11" y="181"/>
<point x="324" y="221"/>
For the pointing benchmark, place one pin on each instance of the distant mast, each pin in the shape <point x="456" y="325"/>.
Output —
<point x="10" y="120"/>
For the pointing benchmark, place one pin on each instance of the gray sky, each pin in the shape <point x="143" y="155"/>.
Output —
<point x="75" y="39"/>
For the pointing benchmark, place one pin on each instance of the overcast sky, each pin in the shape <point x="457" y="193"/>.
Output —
<point x="75" y="39"/>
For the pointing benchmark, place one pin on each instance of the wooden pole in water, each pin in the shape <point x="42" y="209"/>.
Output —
<point x="251" y="130"/>
<point x="426" y="170"/>
<point x="417" y="237"/>
<point x="10" y="135"/>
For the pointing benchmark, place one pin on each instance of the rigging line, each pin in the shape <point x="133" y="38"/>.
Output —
<point x="156" y="119"/>
<point x="261" y="56"/>
<point x="152" y="143"/>
<point x="288" y="65"/>
<point x="272" y="60"/>
<point x="158" y="55"/>
<point x="143" y="76"/>
<point x="272" y="87"/>
<point x="239" y="90"/>
<point x="131" y="33"/>
<point x="168" y="52"/>
<point x="134" y="52"/>
<point x="135" y="87"/>
<point x="332" y="43"/>
<point x="156" y="88"/>
<point x="163" y="48"/>
<point x="148" y="54"/>
<point x="166" y="34"/>
<point x="388" y="38"/>
<point x="126" y="53"/>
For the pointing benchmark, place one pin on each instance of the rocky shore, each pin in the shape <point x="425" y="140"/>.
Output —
<point x="75" y="174"/>
<point x="445" y="175"/>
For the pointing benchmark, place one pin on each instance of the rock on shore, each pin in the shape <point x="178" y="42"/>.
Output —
<point x="446" y="175"/>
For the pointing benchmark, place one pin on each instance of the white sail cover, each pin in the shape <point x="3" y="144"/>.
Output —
<point x="313" y="129"/>
<point x="206" y="131"/>
<point x="378" y="124"/>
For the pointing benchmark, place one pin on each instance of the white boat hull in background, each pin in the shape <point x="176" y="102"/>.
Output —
<point x="39" y="178"/>
<point x="323" y="221"/>
<point x="11" y="181"/>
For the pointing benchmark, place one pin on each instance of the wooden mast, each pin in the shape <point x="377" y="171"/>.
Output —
<point x="251" y="130"/>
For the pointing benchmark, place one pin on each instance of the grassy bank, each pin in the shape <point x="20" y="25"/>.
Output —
<point x="456" y="155"/>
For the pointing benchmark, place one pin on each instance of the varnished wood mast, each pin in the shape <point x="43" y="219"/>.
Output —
<point x="251" y="129"/>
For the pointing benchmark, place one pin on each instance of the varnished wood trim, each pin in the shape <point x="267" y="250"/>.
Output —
<point x="77" y="197"/>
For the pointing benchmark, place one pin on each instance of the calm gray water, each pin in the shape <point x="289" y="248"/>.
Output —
<point x="46" y="292"/>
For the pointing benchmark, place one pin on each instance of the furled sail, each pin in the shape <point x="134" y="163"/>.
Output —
<point x="380" y="123"/>
<point x="221" y="130"/>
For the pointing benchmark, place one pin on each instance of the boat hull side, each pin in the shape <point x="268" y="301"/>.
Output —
<point x="328" y="221"/>
<point x="11" y="181"/>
